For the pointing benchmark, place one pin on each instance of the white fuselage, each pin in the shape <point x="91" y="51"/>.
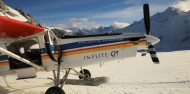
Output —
<point x="77" y="51"/>
<point x="83" y="51"/>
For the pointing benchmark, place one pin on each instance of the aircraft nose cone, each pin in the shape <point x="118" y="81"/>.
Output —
<point x="152" y="39"/>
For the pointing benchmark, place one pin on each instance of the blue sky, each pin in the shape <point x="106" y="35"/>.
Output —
<point x="89" y="12"/>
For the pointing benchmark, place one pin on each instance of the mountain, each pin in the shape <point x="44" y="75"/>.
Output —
<point x="172" y="27"/>
<point x="9" y="12"/>
<point x="100" y="30"/>
<point x="16" y="14"/>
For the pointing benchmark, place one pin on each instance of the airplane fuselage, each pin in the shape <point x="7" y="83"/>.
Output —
<point x="77" y="51"/>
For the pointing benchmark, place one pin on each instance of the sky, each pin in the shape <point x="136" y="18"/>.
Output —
<point x="89" y="13"/>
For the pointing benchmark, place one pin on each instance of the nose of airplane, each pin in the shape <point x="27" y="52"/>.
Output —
<point x="152" y="39"/>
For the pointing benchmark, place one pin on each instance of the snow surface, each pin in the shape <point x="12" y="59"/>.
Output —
<point x="136" y="75"/>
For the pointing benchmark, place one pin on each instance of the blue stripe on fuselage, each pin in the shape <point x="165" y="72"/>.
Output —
<point x="94" y="43"/>
<point x="80" y="44"/>
<point x="3" y="57"/>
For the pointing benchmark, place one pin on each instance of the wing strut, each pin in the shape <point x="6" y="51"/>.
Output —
<point x="21" y="59"/>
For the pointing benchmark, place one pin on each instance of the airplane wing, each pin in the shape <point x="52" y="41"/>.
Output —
<point x="10" y="28"/>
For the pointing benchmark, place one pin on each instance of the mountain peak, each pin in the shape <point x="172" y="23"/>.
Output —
<point x="170" y="9"/>
<point x="174" y="10"/>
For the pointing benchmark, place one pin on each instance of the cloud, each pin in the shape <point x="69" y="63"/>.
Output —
<point x="119" y="24"/>
<point x="79" y="23"/>
<point x="183" y="5"/>
<point x="127" y="12"/>
<point x="130" y="14"/>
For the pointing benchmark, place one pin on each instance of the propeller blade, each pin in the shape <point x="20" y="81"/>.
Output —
<point x="151" y="49"/>
<point x="153" y="55"/>
<point x="146" y="18"/>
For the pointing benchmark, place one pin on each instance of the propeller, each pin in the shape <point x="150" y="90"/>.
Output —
<point x="151" y="48"/>
<point x="146" y="18"/>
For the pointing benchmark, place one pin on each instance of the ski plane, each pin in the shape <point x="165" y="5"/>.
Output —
<point x="19" y="56"/>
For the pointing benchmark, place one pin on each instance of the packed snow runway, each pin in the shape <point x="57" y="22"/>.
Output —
<point x="136" y="75"/>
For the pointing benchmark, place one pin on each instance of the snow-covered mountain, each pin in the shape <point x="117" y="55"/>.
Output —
<point x="9" y="12"/>
<point x="172" y="27"/>
<point x="102" y="30"/>
<point x="16" y="14"/>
